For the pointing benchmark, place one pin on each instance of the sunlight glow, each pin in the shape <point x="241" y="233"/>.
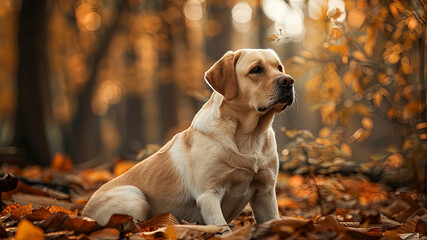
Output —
<point x="242" y="12"/>
<point x="242" y="16"/>
<point x="315" y="8"/>
<point x="193" y="10"/>
<point x="288" y="17"/>
<point x="92" y="21"/>
<point x="275" y="9"/>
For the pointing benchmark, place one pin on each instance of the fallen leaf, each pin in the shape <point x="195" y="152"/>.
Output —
<point x="123" y="223"/>
<point x="81" y="225"/>
<point x="34" y="171"/>
<point x="105" y="233"/>
<point x="96" y="175"/>
<point x="21" y="211"/>
<point x="54" y="209"/>
<point x="421" y="227"/>
<point x="55" y="222"/>
<point x="26" y="230"/>
<point x="239" y="234"/>
<point x="123" y="166"/>
<point x="9" y="209"/>
<point x="159" y="221"/>
<point x="38" y="214"/>
<point x="171" y="232"/>
<point x="61" y="162"/>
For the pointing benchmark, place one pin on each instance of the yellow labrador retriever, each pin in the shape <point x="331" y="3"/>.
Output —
<point x="224" y="160"/>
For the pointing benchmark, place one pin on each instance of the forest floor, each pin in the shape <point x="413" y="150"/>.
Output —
<point x="47" y="202"/>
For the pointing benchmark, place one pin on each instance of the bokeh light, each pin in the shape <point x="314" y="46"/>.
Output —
<point x="288" y="18"/>
<point x="242" y="16"/>
<point x="92" y="21"/>
<point x="193" y="10"/>
<point x="242" y="12"/>
<point x="315" y="8"/>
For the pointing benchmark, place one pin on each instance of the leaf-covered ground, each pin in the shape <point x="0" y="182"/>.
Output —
<point x="47" y="203"/>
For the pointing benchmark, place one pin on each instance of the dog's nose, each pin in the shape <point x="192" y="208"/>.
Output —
<point x="285" y="81"/>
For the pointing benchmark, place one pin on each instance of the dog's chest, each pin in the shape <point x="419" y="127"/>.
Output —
<point x="240" y="188"/>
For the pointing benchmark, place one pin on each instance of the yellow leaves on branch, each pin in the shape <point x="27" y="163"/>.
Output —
<point x="395" y="160"/>
<point x="326" y="86"/>
<point x="392" y="52"/>
<point x="362" y="134"/>
<point x="367" y="123"/>
<point x="355" y="18"/>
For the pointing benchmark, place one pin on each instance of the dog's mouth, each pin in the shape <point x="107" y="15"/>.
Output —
<point x="282" y="102"/>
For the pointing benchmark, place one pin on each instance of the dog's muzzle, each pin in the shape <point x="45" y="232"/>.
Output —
<point x="285" y="86"/>
<point x="285" y="93"/>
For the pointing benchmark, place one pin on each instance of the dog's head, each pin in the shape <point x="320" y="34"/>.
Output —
<point x="252" y="78"/>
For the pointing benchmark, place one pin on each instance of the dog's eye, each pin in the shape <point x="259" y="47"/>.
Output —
<point x="280" y="68"/>
<point x="256" y="69"/>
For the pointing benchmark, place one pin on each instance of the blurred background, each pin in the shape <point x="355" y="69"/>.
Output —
<point x="101" y="79"/>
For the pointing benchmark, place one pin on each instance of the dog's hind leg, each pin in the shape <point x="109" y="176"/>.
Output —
<point x="127" y="200"/>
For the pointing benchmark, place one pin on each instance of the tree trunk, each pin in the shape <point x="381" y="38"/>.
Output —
<point x="86" y="139"/>
<point x="32" y="83"/>
<point x="217" y="45"/>
<point x="167" y="87"/>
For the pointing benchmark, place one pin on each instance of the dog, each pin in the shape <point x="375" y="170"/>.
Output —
<point x="226" y="159"/>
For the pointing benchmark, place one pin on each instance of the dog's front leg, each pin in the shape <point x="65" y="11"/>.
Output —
<point x="264" y="205"/>
<point x="209" y="204"/>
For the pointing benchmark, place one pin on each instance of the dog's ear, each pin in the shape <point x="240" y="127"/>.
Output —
<point x="222" y="75"/>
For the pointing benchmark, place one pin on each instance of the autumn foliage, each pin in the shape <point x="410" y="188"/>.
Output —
<point x="126" y="73"/>
<point x="311" y="208"/>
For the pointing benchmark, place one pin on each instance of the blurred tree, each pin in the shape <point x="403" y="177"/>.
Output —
<point x="32" y="83"/>
<point x="86" y="135"/>
<point x="167" y="89"/>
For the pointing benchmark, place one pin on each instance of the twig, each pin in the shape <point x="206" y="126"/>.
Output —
<point x="51" y="204"/>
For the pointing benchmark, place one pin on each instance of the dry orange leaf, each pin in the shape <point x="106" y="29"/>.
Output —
<point x="62" y="162"/>
<point x="122" y="166"/>
<point x="325" y="132"/>
<point x="346" y="148"/>
<point x="161" y="220"/>
<point x="34" y="171"/>
<point x="171" y="233"/>
<point x="123" y="223"/>
<point x="367" y="123"/>
<point x="395" y="160"/>
<point x="38" y="214"/>
<point x="359" y="55"/>
<point x="9" y="209"/>
<point x="378" y="98"/>
<point x="81" y="225"/>
<point x="355" y="18"/>
<point x="22" y="211"/>
<point x="421" y="227"/>
<point x="26" y="230"/>
<point x="105" y="233"/>
<point x="96" y="175"/>
<point x="54" y="209"/>
<point x="287" y="203"/>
